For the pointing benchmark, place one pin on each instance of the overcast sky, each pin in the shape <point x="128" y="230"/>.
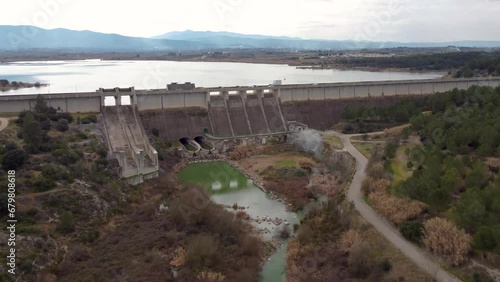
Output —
<point x="376" y="20"/>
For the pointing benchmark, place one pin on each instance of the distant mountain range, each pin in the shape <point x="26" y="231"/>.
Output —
<point x="15" y="38"/>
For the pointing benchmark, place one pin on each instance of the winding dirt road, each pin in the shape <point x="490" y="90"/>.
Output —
<point x="3" y="123"/>
<point x="423" y="260"/>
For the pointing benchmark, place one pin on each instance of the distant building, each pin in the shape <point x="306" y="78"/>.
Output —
<point x="177" y="86"/>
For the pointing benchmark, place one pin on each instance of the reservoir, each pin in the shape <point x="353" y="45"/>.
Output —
<point x="89" y="75"/>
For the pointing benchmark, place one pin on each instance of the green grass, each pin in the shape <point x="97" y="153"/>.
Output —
<point x="83" y="115"/>
<point x="285" y="163"/>
<point x="364" y="148"/>
<point x="335" y="141"/>
<point x="399" y="168"/>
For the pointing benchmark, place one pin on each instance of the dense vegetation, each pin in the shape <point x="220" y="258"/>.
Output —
<point x="455" y="166"/>
<point x="468" y="63"/>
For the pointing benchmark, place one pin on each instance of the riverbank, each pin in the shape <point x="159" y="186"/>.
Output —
<point x="5" y="85"/>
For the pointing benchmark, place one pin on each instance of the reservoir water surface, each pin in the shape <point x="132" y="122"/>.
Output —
<point x="89" y="75"/>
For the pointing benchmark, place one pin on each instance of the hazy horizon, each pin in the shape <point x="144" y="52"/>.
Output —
<point x="379" y="20"/>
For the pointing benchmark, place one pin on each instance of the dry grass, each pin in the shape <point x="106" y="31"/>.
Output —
<point x="401" y="265"/>
<point x="397" y="210"/>
<point x="260" y="163"/>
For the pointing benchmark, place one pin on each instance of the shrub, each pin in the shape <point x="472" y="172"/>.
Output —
<point x="46" y="125"/>
<point x="14" y="159"/>
<point x="11" y="146"/>
<point x="180" y="258"/>
<point x="66" y="156"/>
<point x="202" y="252"/>
<point x="360" y="260"/>
<point x="386" y="265"/>
<point x="348" y="240"/>
<point x="89" y="236"/>
<point x="62" y="125"/>
<point x="304" y="235"/>
<point x="285" y="233"/>
<point x="412" y="230"/>
<point x="156" y="132"/>
<point x="66" y="223"/>
<point x="43" y="184"/>
<point x="211" y="276"/>
<point x="443" y="238"/>
<point x="54" y="172"/>
<point x="397" y="210"/>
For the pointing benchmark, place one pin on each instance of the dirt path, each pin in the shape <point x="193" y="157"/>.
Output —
<point x="3" y="123"/>
<point x="420" y="258"/>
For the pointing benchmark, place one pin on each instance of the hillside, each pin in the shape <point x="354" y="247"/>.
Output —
<point x="30" y="37"/>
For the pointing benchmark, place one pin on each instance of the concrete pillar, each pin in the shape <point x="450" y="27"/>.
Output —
<point x="243" y="95"/>
<point x="141" y="161"/>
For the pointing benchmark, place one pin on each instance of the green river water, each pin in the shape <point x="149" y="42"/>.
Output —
<point x="227" y="187"/>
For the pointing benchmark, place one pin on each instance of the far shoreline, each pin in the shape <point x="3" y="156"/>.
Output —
<point x="289" y="63"/>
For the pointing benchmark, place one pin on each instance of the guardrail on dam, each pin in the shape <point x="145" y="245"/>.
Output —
<point x="200" y="97"/>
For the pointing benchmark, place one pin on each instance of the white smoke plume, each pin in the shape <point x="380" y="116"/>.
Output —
<point x="310" y="141"/>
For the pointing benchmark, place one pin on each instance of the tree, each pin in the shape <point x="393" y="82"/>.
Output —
<point x="484" y="239"/>
<point x="32" y="133"/>
<point x="40" y="105"/>
<point x="468" y="73"/>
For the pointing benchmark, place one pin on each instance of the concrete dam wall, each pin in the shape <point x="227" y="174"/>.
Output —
<point x="224" y="113"/>
<point x="201" y="97"/>
<point x="226" y="116"/>
<point x="129" y="144"/>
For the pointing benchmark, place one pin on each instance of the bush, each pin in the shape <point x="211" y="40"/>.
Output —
<point x="66" y="156"/>
<point x="102" y="152"/>
<point x="66" y="223"/>
<point x="156" y="132"/>
<point x="89" y="236"/>
<point x="46" y="125"/>
<point x="43" y="184"/>
<point x="443" y="238"/>
<point x="412" y="230"/>
<point x="397" y="210"/>
<point x="285" y="232"/>
<point x="386" y="265"/>
<point x="360" y="260"/>
<point x="11" y="146"/>
<point x="14" y="159"/>
<point x="89" y="120"/>
<point x="202" y="252"/>
<point x="54" y="172"/>
<point x="349" y="240"/>
<point x="62" y="125"/>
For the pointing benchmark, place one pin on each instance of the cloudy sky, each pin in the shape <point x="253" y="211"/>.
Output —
<point x="377" y="20"/>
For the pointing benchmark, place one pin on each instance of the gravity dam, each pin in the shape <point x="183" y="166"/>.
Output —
<point x="224" y="114"/>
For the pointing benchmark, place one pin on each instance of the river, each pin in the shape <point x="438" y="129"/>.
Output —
<point x="227" y="187"/>
<point x="89" y="75"/>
